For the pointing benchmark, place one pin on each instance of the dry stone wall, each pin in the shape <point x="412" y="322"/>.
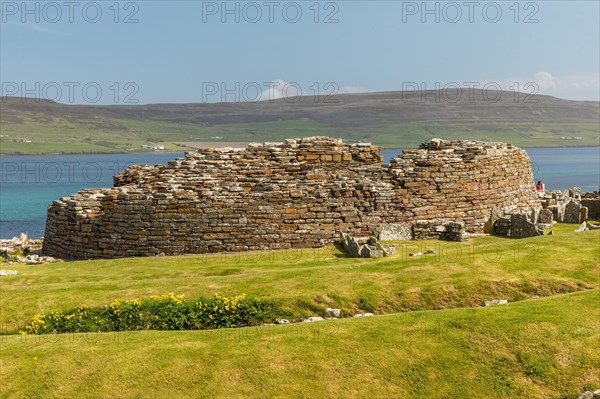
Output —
<point x="301" y="193"/>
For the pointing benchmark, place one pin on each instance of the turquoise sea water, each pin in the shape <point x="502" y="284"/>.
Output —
<point x="29" y="183"/>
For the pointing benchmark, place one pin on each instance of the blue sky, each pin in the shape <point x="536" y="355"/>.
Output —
<point x="193" y="51"/>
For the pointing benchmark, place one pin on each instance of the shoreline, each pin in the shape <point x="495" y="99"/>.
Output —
<point x="52" y="154"/>
<point x="221" y="145"/>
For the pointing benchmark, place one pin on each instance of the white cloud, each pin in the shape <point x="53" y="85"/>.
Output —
<point x="274" y="90"/>
<point x="351" y="89"/>
<point x="280" y="88"/>
<point x="579" y="82"/>
<point x="545" y="80"/>
<point x="32" y="26"/>
<point x="572" y="87"/>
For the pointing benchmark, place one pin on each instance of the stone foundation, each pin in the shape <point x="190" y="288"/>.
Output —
<point x="301" y="193"/>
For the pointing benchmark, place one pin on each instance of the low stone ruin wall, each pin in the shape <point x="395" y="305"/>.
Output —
<point x="593" y="206"/>
<point x="571" y="206"/>
<point x="301" y="193"/>
<point x="568" y="206"/>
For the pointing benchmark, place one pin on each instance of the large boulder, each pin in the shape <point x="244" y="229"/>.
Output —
<point x="546" y="216"/>
<point x="501" y="227"/>
<point x="365" y="247"/>
<point x="351" y="245"/>
<point x="593" y="205"/>
<point x="521" y="227"/>
<point x="583" y="214"/>
<point x="572" y="212"/>
<point x="558" y="212"/>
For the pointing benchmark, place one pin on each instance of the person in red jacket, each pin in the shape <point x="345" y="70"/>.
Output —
<point x="539" y="186"/>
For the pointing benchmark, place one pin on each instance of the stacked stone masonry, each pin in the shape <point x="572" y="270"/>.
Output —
<point x="301" y="193"/>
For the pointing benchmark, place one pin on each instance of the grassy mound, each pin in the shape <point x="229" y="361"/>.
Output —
<point x="304" y="282"/>
<point x="544" y="348"/>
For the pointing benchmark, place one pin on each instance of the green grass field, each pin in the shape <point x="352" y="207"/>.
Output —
<point x="431" y="336"/>
<point x="64" y="136"/>
<point x="61" y="135"/>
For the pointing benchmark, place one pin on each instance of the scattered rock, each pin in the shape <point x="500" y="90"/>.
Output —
<point x="351" y="245"/>
<point x="545" y="216"/>
<point x="428" y="252"/>
<point x="364" y="315"/>
<point x="575" y="192"/>
<point x="496" y="302"/>
<point x="282" y="321"/>
<point x="365" y="247"/>
<point x="572" y="209"/>
<point x="313" y="319"/>
<point x="558" y="212"/>
<point x="586" y="395"/>
<point x="334" y="312"/>
<point x="582" y="227"/>
<point x="32" y="260"/>
<point x="583" y="214"/>
<point x="18" y="250"/>
<point x="15" y="249"/>
<point x="592" y="203"/>
<point x="521" y="227"/>
<point x="370" y="252"/>
<point x="570" y="206"/>
<point x="37" y="260"/>
<point x="8" y="272"/>
<point x="543" y="226"/>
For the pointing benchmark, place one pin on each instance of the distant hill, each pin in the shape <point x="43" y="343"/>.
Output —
<point x="393" y="119"/>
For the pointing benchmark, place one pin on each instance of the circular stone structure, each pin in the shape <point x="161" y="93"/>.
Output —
<point x="300" y="193"/>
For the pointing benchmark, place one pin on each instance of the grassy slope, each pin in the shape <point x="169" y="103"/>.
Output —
<point x="391" y="119"/>
<point x="125" y="135"/>
<point x="535" y="348"/>
<point x="545" y="348"/>
<point x="62" y="135"/>
<point x="306" y="281"/>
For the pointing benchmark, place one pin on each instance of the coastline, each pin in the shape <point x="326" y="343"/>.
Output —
<point x="45" y="154"/>
<point x="222" y="145"/>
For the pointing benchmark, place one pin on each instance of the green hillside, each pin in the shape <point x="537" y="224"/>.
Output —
<point x="391" y="119"/>
<point x="431" y="336"/>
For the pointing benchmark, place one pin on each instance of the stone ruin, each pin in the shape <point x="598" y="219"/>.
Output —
<point x="365" y="247"/>
<point x="571" y="206"/>
<point x="568" y="206"/>
<point x="301" y="193"/>
<point x="22" y="249"/>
